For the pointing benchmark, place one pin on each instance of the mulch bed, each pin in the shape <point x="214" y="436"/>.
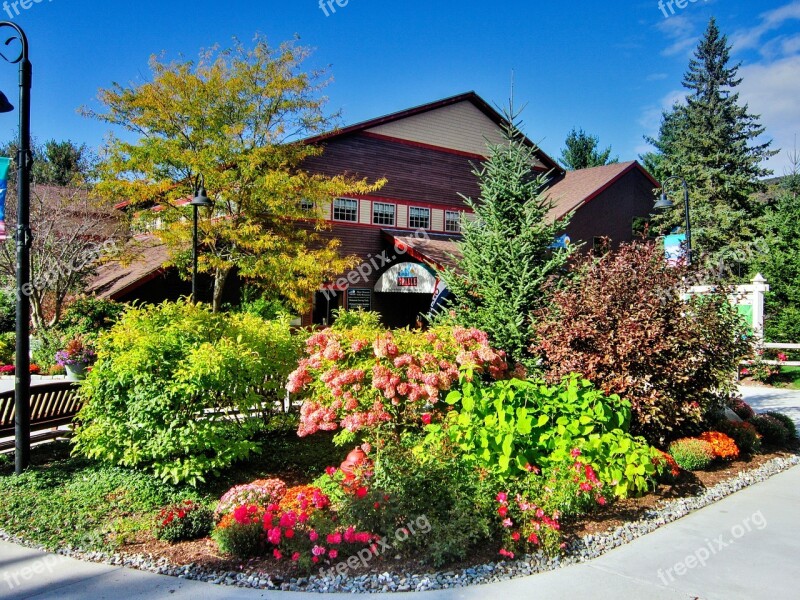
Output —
<point x="203" y="553"/>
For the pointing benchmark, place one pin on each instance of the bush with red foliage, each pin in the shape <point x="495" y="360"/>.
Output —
<point x="621" y="322"/>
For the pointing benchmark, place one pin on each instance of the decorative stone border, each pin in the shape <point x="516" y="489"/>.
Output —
<point x="587" y="548"/>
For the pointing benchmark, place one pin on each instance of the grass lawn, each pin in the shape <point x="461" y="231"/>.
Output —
<point x="70" y="501"/>
<point x="788" y="377"/>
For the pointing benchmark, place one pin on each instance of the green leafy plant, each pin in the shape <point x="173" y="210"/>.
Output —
<point x="510" y="427"/>
<point x="773" y="431"/>
<point x="182" y="391"/>
<point x="692" y="454"/>
<point x="185" y="521"/>
<point x="7" y="348"/>
<point x="788" y="423"/>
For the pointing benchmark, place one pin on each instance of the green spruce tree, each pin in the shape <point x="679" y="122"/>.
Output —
<point x="580" y="151"/>
<point x="781" y="264"/>
<point x="710" y="141"/>
<point x="507" y="247"/>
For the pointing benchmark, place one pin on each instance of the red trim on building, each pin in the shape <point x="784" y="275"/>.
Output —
<point x="472" y="97"/>
<point x="620" y="175"/>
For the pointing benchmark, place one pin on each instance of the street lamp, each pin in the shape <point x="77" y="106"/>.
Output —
<point x="664" y="203"/>
<point x="22" y="386"/>
<point x="200" y="199"/>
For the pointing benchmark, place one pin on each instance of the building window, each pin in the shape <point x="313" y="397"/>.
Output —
<point x="306" y="204"/>
<point x="419" y="218"/>
<point x="383" y="214"/>
<point x="345" y="209"/>
<point x="452" y="221"/>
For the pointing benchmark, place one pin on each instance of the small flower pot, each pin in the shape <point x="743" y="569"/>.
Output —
<point x="76" y="372"/>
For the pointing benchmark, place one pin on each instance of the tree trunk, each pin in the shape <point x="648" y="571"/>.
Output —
<point x="220" y="277"/>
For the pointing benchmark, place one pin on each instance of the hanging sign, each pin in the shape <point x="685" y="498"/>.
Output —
<point x="4" y="165"/>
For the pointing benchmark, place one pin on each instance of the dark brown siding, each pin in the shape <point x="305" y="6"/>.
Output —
<point x="414" y="174"/>
<point x="612" y="212"/>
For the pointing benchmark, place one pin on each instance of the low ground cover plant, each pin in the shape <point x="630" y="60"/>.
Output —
<point x="692" y="454"/>
<point x="771" y="429"/>
<point x="187" y="520"/>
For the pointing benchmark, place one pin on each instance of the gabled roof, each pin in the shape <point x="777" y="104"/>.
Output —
<point x="582" y="186"/>
<point x="114" y="280"/>
<point x="471" y="97"/>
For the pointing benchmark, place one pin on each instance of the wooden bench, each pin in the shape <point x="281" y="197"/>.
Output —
<point x="52" y="406"/>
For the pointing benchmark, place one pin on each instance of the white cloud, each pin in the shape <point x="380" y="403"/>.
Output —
<point x="681" y="32"/>
<point x="650" y="119"/>
<point x="772" y="90"/>
<point x="770" y="20"/>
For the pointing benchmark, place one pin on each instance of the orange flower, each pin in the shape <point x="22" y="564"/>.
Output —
<point x="724" y="447"/>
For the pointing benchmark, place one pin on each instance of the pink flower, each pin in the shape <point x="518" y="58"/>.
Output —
<point x="331" y="471"/>
<point x="333" y="553"/>
<point x="600" y="500"/>
<point x="576" y="452"/>
<point x="274" y="536"/>
<point x="508" y="523"/>
<point x="277" y="554"/>
<point x="288" y="519"/>
<point x="502" y="498"/>
<point x="289" y="534"/>
<point x="505" y="553"/>
<point x="295" y="556"/>
<point x="313" y="536"/>
<point x="318" y="551"/>
<point x="334" y="538"/>
<point x="362" y="537"/>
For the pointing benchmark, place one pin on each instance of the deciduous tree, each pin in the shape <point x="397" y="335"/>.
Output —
<point x="235" y="116"/>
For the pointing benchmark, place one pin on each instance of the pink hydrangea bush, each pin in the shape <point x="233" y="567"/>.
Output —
<point x="360" y="377"/>
<point x="258" y="493"/>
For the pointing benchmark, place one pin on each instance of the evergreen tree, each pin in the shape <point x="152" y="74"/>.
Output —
<point x="581" y="151"/>
<point x="710" y="141"/>
<point x="781" y="264"/>
<point x="507" y="248"/>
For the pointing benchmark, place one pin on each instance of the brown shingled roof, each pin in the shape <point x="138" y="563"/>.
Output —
<point x="115" y="279"/>
<point x="581" y="186"/>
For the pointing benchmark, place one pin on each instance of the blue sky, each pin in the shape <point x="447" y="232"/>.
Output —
<point x="609" y="67"/>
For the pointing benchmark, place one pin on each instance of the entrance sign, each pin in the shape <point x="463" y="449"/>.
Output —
<point x="675" y="247"/>
<point x="407" y="278"/>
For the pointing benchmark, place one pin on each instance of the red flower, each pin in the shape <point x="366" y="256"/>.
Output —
<point x="426" y="418"/>
<point x="361" y="492"/>
<point x="289" y="534"/>
<point x="333" y="553"/>
<point x="502" y="497"/>
<point x="296" y="556"/>
<point x="331" y="471"/>
<point x="601" y="501"/>
<point x="277" y="554"/>
<point x="515" y="536"/>
<point x="502" y="511"/>
<point x="376" y="506"/>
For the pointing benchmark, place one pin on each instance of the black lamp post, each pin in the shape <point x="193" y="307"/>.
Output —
<point x="200" y="199"/>
<point x="664" y="203"/>
<point x="22" y="387"/>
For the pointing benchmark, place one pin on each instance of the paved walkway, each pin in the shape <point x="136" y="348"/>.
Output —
<point x="743" y="547"/>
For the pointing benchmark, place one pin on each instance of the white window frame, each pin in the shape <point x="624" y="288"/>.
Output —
<point x="394" y="214"/>
<point x="355" y="213"/>
<point x="411" y="209"/>
<point x="458" y="214"/>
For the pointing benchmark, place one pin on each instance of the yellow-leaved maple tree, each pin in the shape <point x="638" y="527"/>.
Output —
<point x="237" y="116"/>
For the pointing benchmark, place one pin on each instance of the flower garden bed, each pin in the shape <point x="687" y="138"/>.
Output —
<point x="588" y="537"/>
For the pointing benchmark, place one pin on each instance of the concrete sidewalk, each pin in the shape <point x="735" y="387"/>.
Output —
<point x="745" y="546"/>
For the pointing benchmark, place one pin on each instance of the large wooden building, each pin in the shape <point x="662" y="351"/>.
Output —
<point x="428" y="155"/>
